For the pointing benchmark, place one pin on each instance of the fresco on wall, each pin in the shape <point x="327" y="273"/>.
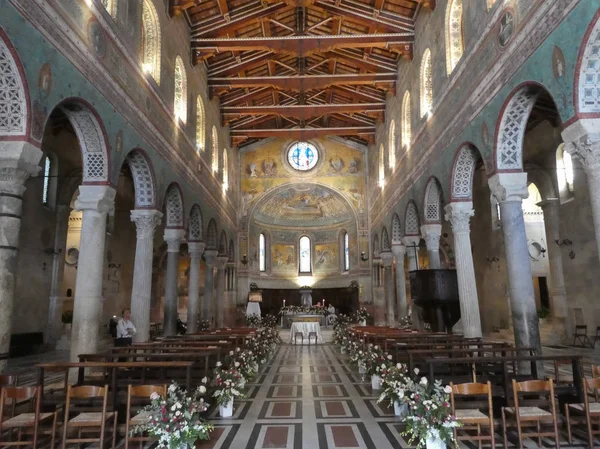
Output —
<point x="283" y="258"/>
<point x="326" y="257"/>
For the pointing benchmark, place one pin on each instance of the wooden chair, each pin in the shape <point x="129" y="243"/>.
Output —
<point x="469" y="412"/>
<point x="589" y="410"/>
<point x="87" y="422"/>
<point x="296" y="335"/>
<point x="596" y="337"/>
<point x="529" y="412"/>
<point x="581" y="336"/>
<point x="561" y="379"/>
<point x="23" y="423"/>
<point x="313" y="334"/>
<point x="138" y="392"/>
<point x="7" y="380"/>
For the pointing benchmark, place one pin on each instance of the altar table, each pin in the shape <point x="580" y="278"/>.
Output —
<point x="305" y="328"/>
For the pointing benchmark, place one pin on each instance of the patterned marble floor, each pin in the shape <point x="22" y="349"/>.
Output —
<point x="311" y="397"/>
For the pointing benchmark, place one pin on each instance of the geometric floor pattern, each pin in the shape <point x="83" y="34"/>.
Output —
<point x="311" y="397"/>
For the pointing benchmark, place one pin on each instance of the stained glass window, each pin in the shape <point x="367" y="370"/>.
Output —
<point x="346" y="252"/>
<point x="305" y="255"/>
<point x="200" y="125"/>
<point x="46" y="181"/>
<point x="303" y="156"/>
<point x="215" y="150"/>
<point x="262" y="253"/>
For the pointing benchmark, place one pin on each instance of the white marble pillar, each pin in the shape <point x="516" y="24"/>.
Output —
<point x="95" y="202"/>
<point x="459" y="215"/>
<point x="431" y="234"/>
<point x="18" y="161"/>
<point x="399" y="252"/>
<point x="387" y="258"/>
<point x="53" y="327"/>
<point x="558" y="294"/>
<point x="510" y="189"/>
<point x="195" y="249"/>
<point x="210" y="257"/>
<point x="145" y="224"/>
<point x="582" y="141"/>
<point x="220" y="300"/>
<point x="173" y="237"/>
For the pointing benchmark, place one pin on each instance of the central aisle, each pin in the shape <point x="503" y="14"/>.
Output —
<point x="307" y="398"/>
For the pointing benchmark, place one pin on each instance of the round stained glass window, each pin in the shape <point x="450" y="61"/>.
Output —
<point x="303" y="156"/>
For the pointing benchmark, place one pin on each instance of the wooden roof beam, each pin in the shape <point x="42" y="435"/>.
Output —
<point x="246" y="64"/>
<point x="427" y="4"/>
<point x="304" y="111"/>
<point x="367" y="64"/>
<point x="303" y="133"/>
<point x="305" y="82"/>
<point x="396" y="25"/>
<point x="176" y="7"/>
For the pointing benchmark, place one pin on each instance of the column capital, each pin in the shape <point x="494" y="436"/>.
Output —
<point x="582" y="140"/>
<point x="145" y="221"/>
<point x="210" y="257"/>
<point x="173" y="237"/>
<point x="459" y="215"/>
<point x="509" y="187"/>
<point x="196" y="248"/>
<point x="19" y="160"/>
<point x="399" y="251"/>
<point x="432" y="233"/>
<point x="96" y="198"/>
<point x="221" y="262"/>
<point x="386" y="257"/>
<point x="411" y="240"/>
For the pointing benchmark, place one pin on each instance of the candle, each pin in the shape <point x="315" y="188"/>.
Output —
<point x="284" y="303"/>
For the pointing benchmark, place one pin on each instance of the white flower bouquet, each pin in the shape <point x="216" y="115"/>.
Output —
<point x="227" y="384"/>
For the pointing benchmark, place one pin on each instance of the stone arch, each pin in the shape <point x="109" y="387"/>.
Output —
<point x="412" y="226"/>
<point x="231" y="251"/>
<point x="376" y="248"/>
<point x="542" y="179"/>
<point x="143" y="179"/>
<point x="211" y="235"/>
<point x="196" y="225"/>
<point x="223" y="244"/>
<point x="463" y="169"/>
<point x="396" y="230"/>
<point x="385" y="240"/>
<point x="14" y="92"/>
<point x="432" y="202"/>
<point x="174" y="206"/>
<point x="92" y="139"/>
<point x="587" y="72"/>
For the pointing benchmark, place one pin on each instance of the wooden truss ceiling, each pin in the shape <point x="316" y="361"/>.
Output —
<point x="301" y="68"/>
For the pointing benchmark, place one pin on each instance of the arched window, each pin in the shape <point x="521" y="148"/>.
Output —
<point x="305" y="255"/>
<point x="381" y="167"/>
<point x="111" y="7"/>
<point x="564" y="172"/>
<point x="225" y="170"/>
<point x="426" y="84"/>
<point x="180" y="104"/>
<point x="392" y="146"/>
<point x="346" y="248"/>
<point x="150" y="41"/>
<point x="50" y="172"/>
<point x="215" y="150"/>
<point x="454" y="34"/>
<point x="200" y="125"/>
<point x="532" y="213"/>
<point x="406" y="121"/>
<point x="262" y="253"/>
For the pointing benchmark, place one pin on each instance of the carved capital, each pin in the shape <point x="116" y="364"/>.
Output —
<point x="386" y="258"/>
<point x="586" y="149"/>
<point x="196" y="249"/>
<point x="399" y="251"/>
<point x="210" y="257"/>
<point x="145" y="222"/>
<point x="173" y="237"/>
<point x="432" y="233"/>
<point x="96" y="198"/>
<point x="459" y="215"/>
<point x="509" y="187"/>
<point x="221" y="262"/>
<point x="411" y="241"/>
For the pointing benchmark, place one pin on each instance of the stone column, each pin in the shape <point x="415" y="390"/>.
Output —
<point x="399" y="252"/>
<point x="173" y="237"/>
<point x="510" y="189"/>
<point x="411" y="243"/>
<point x="582" y="141"/>
<point x="95" y="202"/>
<point x="210" y="257"/>
<point x="558" y="293"/>
<point x="195" y="249"/>
<point x="432" y="233"/>
<point x="58" y="269"/>
<point x="145" y="224"/>
<point x="220" y="300"/>
<point x="459" y="215"/>
<point x="387" y="257"/>
<point x="18" y="161"/>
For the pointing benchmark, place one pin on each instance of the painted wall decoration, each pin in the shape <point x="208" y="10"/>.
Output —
<point x="326" y="257"/>
<point x="283" y="258"/>
<point x="558" y="63"/>
<point x="507" y="28"/>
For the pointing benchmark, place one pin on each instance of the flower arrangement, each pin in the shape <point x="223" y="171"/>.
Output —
<point x="376" y="361"/>
<point x="242" y="361"/>
<point x="405" y="323"/>
<point x="396" y="384"/>
<point x="309" y="310"/>
<point x="357" y="356"/>
<point x="430" y="414"/>
<point x="361" y="315"/>
<point x="269" y="321"/>
<point x="227" y="384"/>
<point x="175" y="419"/>
<point x="253" y="320"/>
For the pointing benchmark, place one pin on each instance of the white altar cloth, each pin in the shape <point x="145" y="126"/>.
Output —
<point x="305" y="328"/>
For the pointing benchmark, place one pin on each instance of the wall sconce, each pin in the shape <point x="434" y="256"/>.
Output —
<point x="363" y="256"/>
<point x="565" y="242"/>
<point x="572" y="255"/>
<point x="244" y="260"/>
<point x="492" y="259"/>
